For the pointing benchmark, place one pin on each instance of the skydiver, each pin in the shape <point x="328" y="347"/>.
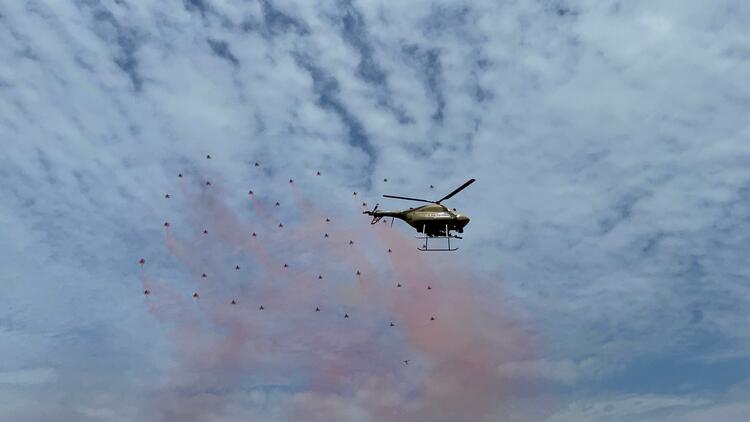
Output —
<point x="429" y="288"/>
<point x="328" y="220"/>
<point x="195" y="295"/>
<point x="237" y="267"/>
<point x="317" y="309"/>
<point x="205" y="231"/>
<point x="346" y="315"/>
<point x="208" y="183"/>
<point x="398" y="285"/>
<point x="179" y="174"/>
<point x="432" y="187"/>
<point x="432" y="318"/>
<point x="250" y="192"/>
<point x="203" y="275"/>
<point x="166" y="224"/>
<point x="208" y="157"/>
<point x="385" y="180"/>
<point x="281" y="225"/>
<point x="254" y="235"/>
<point x="317" y="173"/>
<point x="291" y="181"/>
<point x="364" y="204"/>
<point x="167" y="196"/>
<point x="320" y="277"/>
<point x="257" y="165"/>
<point x="286" y="266"/>
<point x="325" y="235"/>
<point x="351" y="242"/>
<point x="355" y="193"/>
<point x="147" y="292"/>
<point x="358" y="273"/>
<point x="233" y="302"/>
<point x="142" y="261"/>
<point x="389" y="250"/>
<point x="261" y="308"/>
<point x="277" y="204"/>
<point x="406" y="362"/>
<point x="393" y="325"/>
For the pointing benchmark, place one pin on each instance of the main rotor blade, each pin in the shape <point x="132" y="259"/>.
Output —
<point x="459" y="189"/>
<point x="406" y="198"/>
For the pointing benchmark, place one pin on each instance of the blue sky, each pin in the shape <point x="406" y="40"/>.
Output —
<point x="603" y="275"/>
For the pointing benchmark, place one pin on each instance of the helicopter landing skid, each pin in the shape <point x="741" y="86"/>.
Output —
<point x="425" y="248"/>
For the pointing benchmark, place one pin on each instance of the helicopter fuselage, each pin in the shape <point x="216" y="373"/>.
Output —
<point x="431" y="219"/>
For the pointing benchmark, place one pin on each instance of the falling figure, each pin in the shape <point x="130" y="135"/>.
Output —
<point x="317" y="173"/>
<point x="281" y="225"/>
<point x="364" y="204"/>
<point x="389" y="250"/>
<point x="393" y="325"/>
<point x="142" y="261"/>
<point x="317" y="309"/>
<point x="208" y="183"/>
<point x="291" y="181"/>
<point x="250" y="192"/>
<point x="355" y="193"/>
<point x="277" y="204"/>
<point x="351" y="242"/>
<point x="328" y="220"/>
<point x="233" y="302"/>
<point x="398" y="285"/>
<point x="237" y="267"/>
<point x="406" y="362"/>
<point x="147" y="292"/>
<point x="257" y="165"/>
<point x="286" y="266"/>
<point x="195" y="295"/>
<point x="320" y="277"/>
<point x="203" y="275"/>
<point x="385" y="180"/>
<point x="432" y="318"/>
<point x="254" y="235"/>
<point x="208" y="157"/>
<point x="205" y="231"/>
<point x="432" y="187"/>
<point x="325" y="235"/>
<point x="358" y="273"/>
<point x="167" y="196"/>
<point x="429" y="288"/>
<point x="166" y="224"/>
<point x="179" y="175"/>
<point x="261" y="307"/>
<point x="346" y="315"/>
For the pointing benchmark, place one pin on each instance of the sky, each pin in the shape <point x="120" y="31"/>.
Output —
<point x="603" y="276"/>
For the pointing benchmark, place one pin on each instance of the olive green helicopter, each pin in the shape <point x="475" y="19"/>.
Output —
<point x="434" y="220"/>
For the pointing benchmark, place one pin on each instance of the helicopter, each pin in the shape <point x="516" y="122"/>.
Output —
<point x="434" y="220"/>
